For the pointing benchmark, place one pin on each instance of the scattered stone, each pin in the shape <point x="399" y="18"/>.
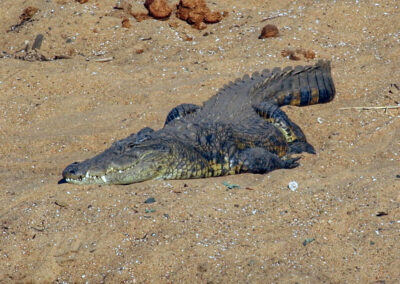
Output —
<point x="269" y="31"/>
<point x="149" y="210"/>
<point x="150" y="200"/>
<point x="307" y="241"/>
<point x="293" y="186"/>
<point x="196" y="13"/>
<point x="126" y="23"/>
<point x="158" y="9"/>
<point x="231" y="185"/>
<point x="38" y="42"/>
<point x="82" y="1"/>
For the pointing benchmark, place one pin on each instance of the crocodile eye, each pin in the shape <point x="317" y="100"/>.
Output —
<point x="130" y="145"/>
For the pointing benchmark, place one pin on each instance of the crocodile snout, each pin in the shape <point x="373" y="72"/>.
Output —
<point x="73" y="172"/>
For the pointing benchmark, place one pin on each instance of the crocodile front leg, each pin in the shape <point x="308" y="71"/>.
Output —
<point x="259" y="161"/>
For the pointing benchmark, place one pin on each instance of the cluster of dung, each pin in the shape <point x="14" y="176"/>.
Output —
<point x="196" y="13"/>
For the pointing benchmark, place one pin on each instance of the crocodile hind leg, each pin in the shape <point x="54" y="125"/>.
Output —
<point x="181" y="111"/>
<point x="294" y="135"/>
<point x="259" y="161"/>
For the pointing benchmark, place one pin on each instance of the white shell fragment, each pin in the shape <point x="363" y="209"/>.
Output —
<point x="293" y="185"/>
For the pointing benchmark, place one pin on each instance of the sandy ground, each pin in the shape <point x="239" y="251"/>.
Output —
<point x="341" y="225"/>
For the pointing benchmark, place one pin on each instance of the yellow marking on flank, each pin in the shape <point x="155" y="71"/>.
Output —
<point x="295" y="99"/>
<point x="314" y="96"/>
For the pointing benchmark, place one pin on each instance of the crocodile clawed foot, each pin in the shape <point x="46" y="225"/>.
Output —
<point x="291" y="163"/>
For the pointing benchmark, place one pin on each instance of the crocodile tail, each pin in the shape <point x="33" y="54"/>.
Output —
<point x="300" y="86"/>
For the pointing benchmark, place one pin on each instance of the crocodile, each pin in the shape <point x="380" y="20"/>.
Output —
<point x="241" y="129"/>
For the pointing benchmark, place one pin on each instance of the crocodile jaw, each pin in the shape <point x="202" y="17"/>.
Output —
<point x="86" y="178"/>
<point x="77" y="174"/>
<point x="116" y="166"/>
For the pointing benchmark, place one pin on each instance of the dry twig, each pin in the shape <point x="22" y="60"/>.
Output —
<point x="107" y="59"/>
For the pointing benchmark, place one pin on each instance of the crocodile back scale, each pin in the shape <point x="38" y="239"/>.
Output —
<point x="240" y="129"/>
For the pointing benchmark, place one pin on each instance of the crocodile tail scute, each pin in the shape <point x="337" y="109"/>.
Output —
<point x="300" y="86"/>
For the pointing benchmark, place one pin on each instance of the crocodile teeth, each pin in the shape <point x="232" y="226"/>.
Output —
<point x="104" y="179"/>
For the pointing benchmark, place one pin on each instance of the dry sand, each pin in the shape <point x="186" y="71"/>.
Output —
<point x="341" y="225"/>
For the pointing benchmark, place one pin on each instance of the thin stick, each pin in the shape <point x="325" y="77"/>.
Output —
<point x="273" y="17"/>
<point x="370" y="108"/>
<point x="104" y="59"/>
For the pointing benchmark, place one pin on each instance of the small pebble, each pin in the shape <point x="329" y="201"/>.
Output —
<point x="269" y="31"/>
<point x="293" y="185"/>
<point x="230" y="186"/>
<point x="38" y="41"/>
<point x="150" y="200"/>
<point x="307" y="241"/>
<point x="125" y="23"/>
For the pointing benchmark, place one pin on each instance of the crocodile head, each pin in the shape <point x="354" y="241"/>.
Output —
<point x="127" y="161"/>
